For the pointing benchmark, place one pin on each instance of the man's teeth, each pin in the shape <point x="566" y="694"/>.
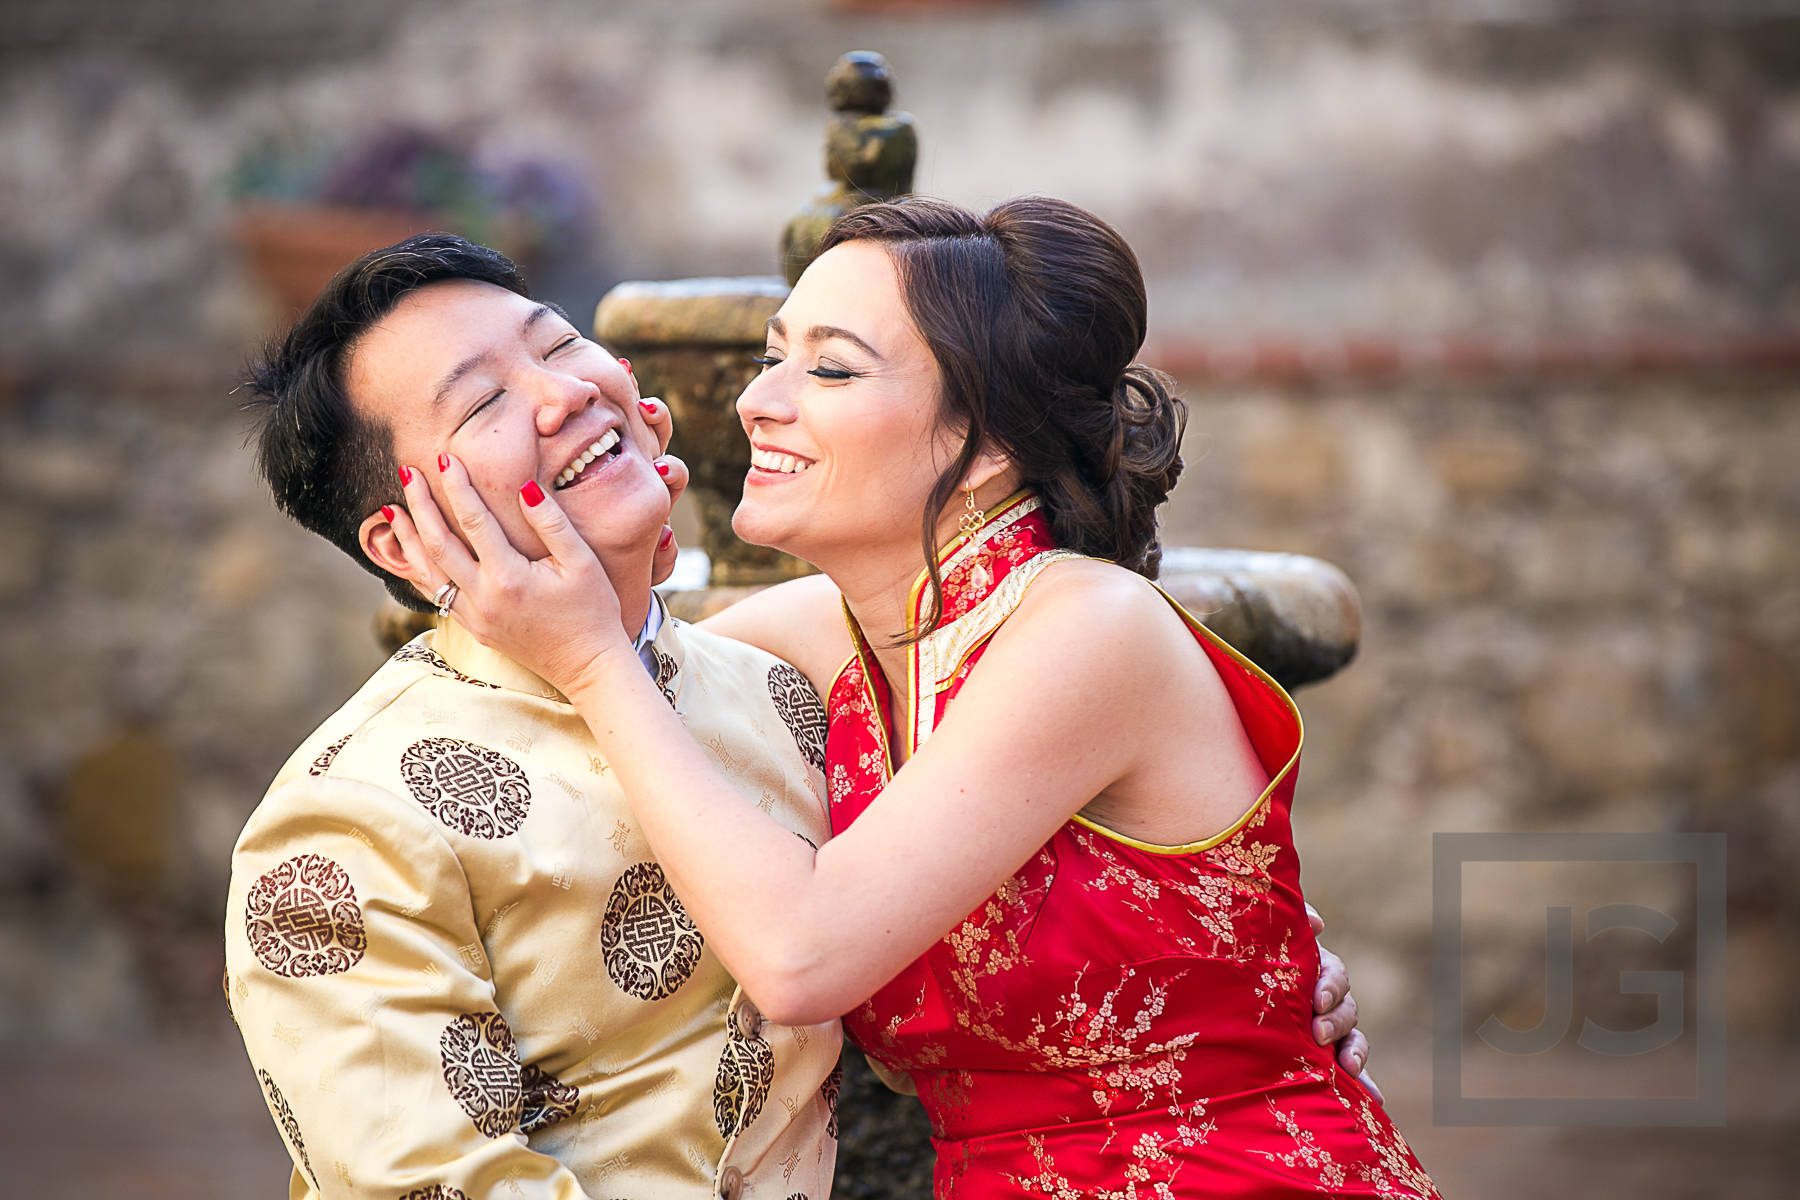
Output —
<point x="580" y="462"/>
<point x="768" y="460"/>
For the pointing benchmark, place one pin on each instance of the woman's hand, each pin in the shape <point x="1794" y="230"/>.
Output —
<point x="558" y="615"/>
<point x="1336" y="1012"/>
<point x="674" y="473"/>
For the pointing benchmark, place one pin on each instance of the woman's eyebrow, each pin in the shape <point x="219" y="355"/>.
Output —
<point x="820" y="333"/>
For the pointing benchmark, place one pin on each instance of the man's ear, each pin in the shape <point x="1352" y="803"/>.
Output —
<point x="385" y="549"/>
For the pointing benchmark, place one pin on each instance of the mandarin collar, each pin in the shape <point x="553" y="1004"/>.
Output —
<point x="458" y="647"/>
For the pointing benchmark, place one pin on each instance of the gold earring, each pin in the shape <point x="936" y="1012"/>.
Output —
<point x="975" y="518"/>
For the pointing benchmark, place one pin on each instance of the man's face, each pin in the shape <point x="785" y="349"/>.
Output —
<point x="509" y="387"/>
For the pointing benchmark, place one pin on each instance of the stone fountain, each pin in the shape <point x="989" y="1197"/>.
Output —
<point x="690" y="342"/>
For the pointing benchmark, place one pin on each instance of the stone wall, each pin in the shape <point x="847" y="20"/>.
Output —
<point x="165" y="638"/>
<point x="1581" y="611"/>
<point x="1579" y="595"/>
<point x="1388" y="165"/>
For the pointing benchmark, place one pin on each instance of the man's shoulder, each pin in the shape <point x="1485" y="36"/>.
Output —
<point x="750" y="689"/>
<point x="727" y="656"/>
<point x="358" y="716"/>
<point x="414" y="696"/>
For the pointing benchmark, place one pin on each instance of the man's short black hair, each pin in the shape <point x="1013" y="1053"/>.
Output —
<point x="329" y="465"/>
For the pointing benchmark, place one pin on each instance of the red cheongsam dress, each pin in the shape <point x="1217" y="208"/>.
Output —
<point x="1119" y="1019"/>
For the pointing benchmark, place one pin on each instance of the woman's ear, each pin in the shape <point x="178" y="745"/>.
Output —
<point x="990" y="466"/>
<point x="385" y="549"/>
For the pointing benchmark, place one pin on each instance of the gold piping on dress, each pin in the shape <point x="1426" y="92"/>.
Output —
<point x="1274" y="781"/>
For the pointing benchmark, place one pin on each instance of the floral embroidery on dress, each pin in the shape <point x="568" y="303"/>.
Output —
<point x="1151" y="1159"/>
<point x="987" y="942"/>
<point x="1306" y="1154"/>
<point x="1284" y="977"/>
<point x="1218" y="901"/>
<point x="1245" y="861"/>
<point x="1399" y="1173"/>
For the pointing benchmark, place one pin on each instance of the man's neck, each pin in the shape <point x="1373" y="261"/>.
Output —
<point x="629" y="573"/>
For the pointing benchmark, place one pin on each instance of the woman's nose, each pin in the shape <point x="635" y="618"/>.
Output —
<point x="765" y="400"/>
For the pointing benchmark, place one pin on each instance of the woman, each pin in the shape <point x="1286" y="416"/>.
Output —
<point x="1061" y="893"/>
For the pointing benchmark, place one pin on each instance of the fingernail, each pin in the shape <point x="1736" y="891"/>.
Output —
<point x="626" y="363"/>
<point x="649" y="407"/>
<point x="534" y="495"/>
<point x="387" y="513"/>
<point x="405" y="476"/>
<point x="668" y="536"/>
<point x="443" y="462"/>
<point x="662" y="468"/>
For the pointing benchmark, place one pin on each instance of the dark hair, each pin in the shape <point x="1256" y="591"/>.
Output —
<point x="1034" y="311"/>
<point x="329" y="465"/>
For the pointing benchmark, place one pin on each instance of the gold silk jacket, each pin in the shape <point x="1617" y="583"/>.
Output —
<point x="459" y="973"/>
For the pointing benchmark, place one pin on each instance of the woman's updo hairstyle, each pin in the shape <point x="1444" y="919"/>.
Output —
<point x="1034" y="312"/>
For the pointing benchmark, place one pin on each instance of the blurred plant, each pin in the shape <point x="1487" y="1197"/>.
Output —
<point x="522" y="205"/>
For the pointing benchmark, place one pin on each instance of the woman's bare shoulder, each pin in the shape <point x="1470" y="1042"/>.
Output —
<point x="801" y="621"/>
<point x="1090" y="593"/>
<point x="1105" y="623"/>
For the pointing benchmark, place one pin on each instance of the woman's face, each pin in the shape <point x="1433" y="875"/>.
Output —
<point x="845" y="445"/>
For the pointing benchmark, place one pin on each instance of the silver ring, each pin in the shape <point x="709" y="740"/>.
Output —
<point x="444" y="598"/>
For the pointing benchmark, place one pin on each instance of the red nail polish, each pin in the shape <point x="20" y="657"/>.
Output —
<point x="626" y="363"/>
<point x="405" y="476"/>
<point x="649" y="408"/>
<point x="668" y="536"/>
<point x="443" y="462"/>
<point x="387" y="513"/>
<point x="662" y="468"/>
<point x="534" y="495"/>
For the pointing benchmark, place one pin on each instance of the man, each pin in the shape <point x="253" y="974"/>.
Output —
<point x="456" y="968"/>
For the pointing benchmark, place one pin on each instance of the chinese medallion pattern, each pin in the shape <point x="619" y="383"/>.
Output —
<point x="290" y="1128"/>
<point x="548" y="1100"/>
<point x="302" y="919"/>
<point x="473" y="790"/>
<point x="746" y="1072"/>
<point x="649" y="943"/>
<point x="800" y="711"/>
<point x="1118" y="1021"/>
<point x="481" y="1069"/>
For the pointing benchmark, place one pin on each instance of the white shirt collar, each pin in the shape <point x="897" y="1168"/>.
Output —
<point x="652" y="626"/>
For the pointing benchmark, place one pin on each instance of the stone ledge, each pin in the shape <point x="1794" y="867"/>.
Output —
<point x="1288" y="360"/>
<point x="1298" y="618"/>
<point x="705" y="312"/>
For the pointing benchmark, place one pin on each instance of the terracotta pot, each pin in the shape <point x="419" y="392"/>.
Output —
<point x="296" y="249"/>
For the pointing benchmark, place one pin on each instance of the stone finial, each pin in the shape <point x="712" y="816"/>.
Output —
<point x="1296" y="617"/>
<point x="870" y="153"/>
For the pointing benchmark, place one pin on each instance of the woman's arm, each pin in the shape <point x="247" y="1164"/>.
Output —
<point x="1047" y="722"/>
<point x="800" y="621"/>
<point x="1062" y="708"/>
